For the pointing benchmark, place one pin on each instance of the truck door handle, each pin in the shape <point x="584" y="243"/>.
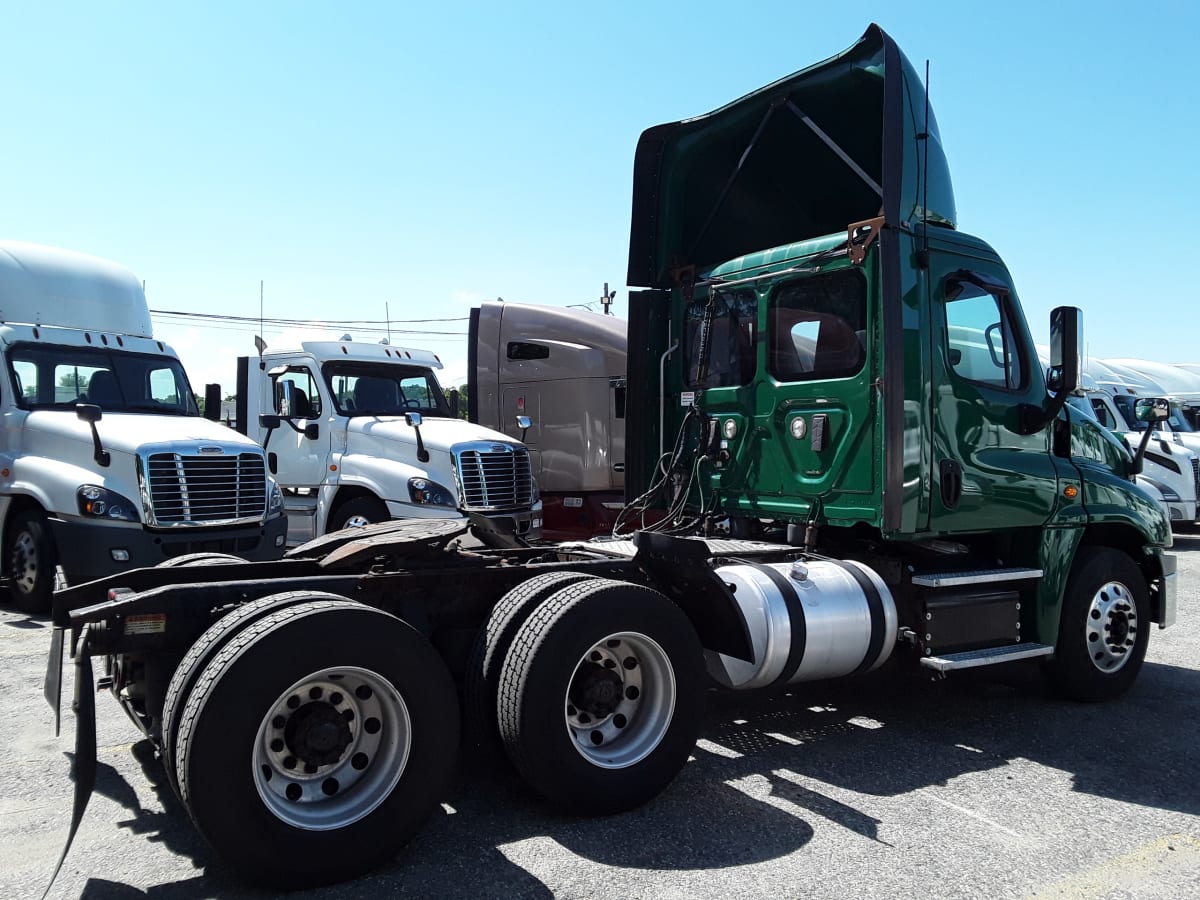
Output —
<point x="951" y="482"/>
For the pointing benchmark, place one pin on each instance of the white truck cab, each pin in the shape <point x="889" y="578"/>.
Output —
<point x="358" y="433"/>
<point x="105" y="461"/>
<point x="1172" y="469"/>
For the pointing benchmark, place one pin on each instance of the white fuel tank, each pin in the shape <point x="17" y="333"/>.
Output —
<point x="807" y="620"/>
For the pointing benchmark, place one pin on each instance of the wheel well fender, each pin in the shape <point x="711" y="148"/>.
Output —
<point x="1134" y="545"/>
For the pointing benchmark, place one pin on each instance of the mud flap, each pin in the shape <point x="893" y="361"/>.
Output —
<point x="83" y="769"/>
<point x="52" y="690"/>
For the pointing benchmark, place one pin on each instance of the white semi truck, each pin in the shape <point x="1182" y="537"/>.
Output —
<point x="105" y="461"/>
<point x="359" y="433"/>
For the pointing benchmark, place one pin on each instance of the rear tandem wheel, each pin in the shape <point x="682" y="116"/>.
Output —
<point x="316" y="742"/>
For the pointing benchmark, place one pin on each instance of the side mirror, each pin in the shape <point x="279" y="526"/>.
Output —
<point x="212" y="402"/>
<point x="287" y="399"/>
<point x="268" y="421"/>
<point x="1152" y="409"/>
<point x="414" y="420"/>
<point x="312" y="431"/>
<point x="455" y="402"/>
<point x="89" y="412"/>
<point x="1066" y="339"/>
<point x="524" y="423"/>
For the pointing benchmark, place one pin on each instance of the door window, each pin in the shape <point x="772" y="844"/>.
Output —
<point x="980" y="345"/>
<point x="305" y="396"/>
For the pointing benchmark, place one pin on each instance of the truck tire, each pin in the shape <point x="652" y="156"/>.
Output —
<point x="30" y="560"/>
<point x="316" y="742"/>
<point x="601" y="696"/>
<point x="482" y="682"/>
<point x="1104" y="628"/>
<point x="204" y="558"/>
<point x="201" y="653"/>
<point x="357" y="512"/>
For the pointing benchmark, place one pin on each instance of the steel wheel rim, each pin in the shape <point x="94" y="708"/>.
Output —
<point x="331" y="748"/>
<point x="611" y="731"/>
<point x="356" y="521"/>
<point x="24" y="562"/>
<point x="1111" y="627"/>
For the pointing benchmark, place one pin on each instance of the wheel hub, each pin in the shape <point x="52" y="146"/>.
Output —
<point x="317" y="734"/>
<point x="331" y="748"/>
<point x="1111" y="628"/>
<point x="620" y="701"/>
<point x="596" y="690"/>
<point x="24" y="562"/>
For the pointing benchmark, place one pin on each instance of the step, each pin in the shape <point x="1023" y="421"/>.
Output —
<point x="970" y="659"/>
<point x="978" y="576"/>
<point x="300" y="506"/>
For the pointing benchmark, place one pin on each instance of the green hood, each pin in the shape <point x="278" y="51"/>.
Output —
<point x="755" y="174"/>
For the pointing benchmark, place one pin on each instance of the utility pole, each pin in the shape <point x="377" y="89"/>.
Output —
<point x="606" y="299"/>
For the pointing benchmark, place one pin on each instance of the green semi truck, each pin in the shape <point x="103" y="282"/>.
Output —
<point x="842" y="452"/>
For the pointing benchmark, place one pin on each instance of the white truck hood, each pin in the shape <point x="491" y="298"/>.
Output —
<point x="127" y="432"/>
<point x="437" y="434"/>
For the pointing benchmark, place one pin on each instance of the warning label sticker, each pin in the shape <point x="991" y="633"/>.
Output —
<point x="155" y="623"/>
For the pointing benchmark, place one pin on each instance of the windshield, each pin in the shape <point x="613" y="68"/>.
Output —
<point x="1126" y="404"/>
<point x="1178" y="419"/>
<point x="53" y="376"/>
<point x="385" y="389"/>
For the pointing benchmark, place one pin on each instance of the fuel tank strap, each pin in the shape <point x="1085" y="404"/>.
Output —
<point x="795" y="615"/>
<point x="874" y="608"/>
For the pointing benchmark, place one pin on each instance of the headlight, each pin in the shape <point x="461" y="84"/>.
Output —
<point x="96" y="502"/>
<point x="275" y="504"/>
<point x="430" y="493"/>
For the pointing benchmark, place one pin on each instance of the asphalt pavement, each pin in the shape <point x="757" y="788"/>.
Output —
<point x="895" y="785"/>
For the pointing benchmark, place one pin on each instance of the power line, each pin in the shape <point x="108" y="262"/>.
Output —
<point x="336" y="323"/>
<point x="251" y="326"/>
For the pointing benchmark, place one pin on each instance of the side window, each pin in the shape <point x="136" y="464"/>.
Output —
<point x="1104" y="415"/>
<point x="527" y="350"/>
<point x="817" y="327"/>
<point x="979" y="339"/>
<point x="732" y="324"/>
<point x="306" y="396"/>
<point x="25" y="377"/>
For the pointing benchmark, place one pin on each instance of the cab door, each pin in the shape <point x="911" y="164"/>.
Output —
<point x="989" y="472"/>
<point x="299" y="461"/>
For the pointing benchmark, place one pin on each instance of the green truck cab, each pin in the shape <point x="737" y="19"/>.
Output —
<point x="841" y="450"/>
<point x="833" y="362"/>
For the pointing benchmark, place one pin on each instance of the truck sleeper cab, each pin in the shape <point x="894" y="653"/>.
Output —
<point x="362" y="433"/>
<point x="105" y="461"/>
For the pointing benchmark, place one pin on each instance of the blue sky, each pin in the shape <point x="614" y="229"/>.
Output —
<point x="357" y="155"/>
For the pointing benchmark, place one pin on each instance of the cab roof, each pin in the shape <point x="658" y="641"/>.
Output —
<point x="836" y="143"/>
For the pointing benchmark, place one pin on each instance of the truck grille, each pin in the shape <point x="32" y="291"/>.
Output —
<point x="493" y="476"/>
<point x="1196" y="475"/>
<point x="205" y="490"/>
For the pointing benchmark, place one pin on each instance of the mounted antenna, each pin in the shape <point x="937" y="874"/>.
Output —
<point x="923" y="253"/>
<point x="258" y="341"/>
<point x="388" y="317"/>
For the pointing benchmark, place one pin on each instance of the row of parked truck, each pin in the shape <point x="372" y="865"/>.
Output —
<point x="106" y="463"/>
<point x="839" y="451"/>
